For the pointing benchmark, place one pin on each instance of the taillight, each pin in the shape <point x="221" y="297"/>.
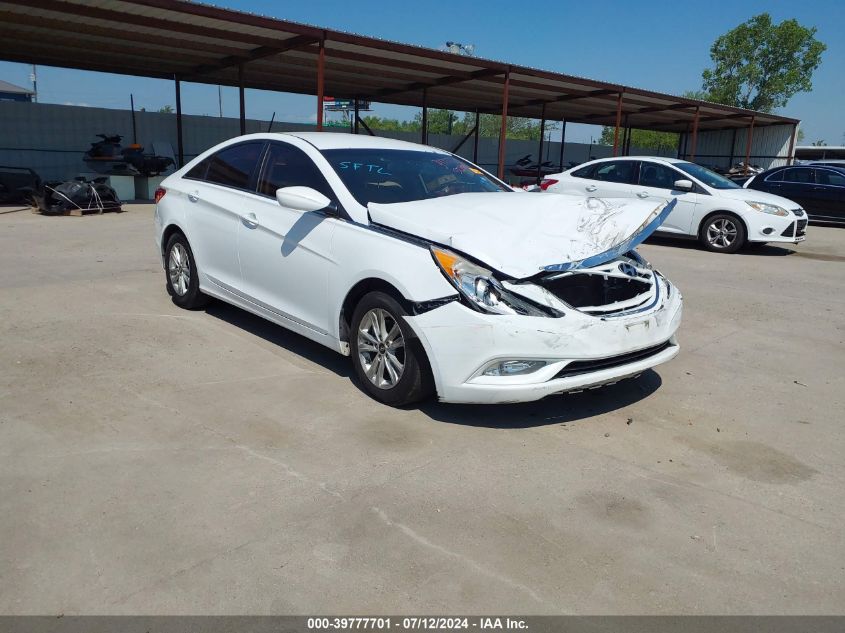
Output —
<point x="547" y="182"/>
<point x="159" y="194"/>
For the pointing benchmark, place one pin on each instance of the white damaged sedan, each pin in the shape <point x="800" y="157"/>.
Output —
<point x="434" y="276"/>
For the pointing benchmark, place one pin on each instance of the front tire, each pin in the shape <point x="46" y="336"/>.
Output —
<point x="388" y="359"/>
<point x="182" y="276"/>
<point x="722" y="233"/>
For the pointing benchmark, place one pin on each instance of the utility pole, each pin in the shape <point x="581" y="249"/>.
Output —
<point x="34" y="79"/>
<point x="220" y="99"/>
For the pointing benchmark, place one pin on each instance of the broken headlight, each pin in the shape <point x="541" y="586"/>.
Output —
<point x="765" y="207"/>
<point x="478" y="286"/>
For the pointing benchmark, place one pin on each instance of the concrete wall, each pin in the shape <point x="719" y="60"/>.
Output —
<point x="52" y="138"/>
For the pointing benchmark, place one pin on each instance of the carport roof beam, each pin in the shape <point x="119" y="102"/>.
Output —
<point x="207" y="44"/>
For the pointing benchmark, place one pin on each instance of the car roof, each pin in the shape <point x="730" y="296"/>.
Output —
<point x="664" y="159"/>
<point x="339" y="140"/>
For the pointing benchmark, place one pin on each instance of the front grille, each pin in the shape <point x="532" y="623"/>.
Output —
<point x="789" y="231"/>
<point x="802" y="228"/>
<point x="798" y="212"/>
<point x="578" y="367"/>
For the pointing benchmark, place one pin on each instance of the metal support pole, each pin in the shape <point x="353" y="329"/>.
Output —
<point x="733" y="149"/>
<point x="694" y="134"/>
<point x="791" y="158"/>
<point x="241" y="97"/>
<point x="321" y="72"/>
<point x="540" y="151"/>
<point x="503" y="131"/>
<point x="618" y="122"/>
<point x="424" y="130"/>
<point x="180" y="146"/>
<point x="475" y="139"/>
<point x="357" y="115"/>
<point x="748" y="143"/>
<point x="562" y="141"/>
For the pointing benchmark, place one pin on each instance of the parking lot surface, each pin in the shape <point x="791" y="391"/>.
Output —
<point x="159" y="461"/>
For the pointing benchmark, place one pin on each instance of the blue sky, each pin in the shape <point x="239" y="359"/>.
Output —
<point x="658" y="45"/>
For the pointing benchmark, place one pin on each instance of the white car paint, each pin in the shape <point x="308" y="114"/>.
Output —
<point x="297" y="268"/>
<point x="692" y="207"/>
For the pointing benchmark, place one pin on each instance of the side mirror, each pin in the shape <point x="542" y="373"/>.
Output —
<point x="684" y="185"/>
<point x="302" y="199"/>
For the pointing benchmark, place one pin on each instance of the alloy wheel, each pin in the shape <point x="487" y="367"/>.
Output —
<point x="381" y="348"/>
<point x="179" y="269"/>
<point x="721" y="233"/>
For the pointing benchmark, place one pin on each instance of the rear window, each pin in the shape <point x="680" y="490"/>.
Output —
<point x="584" y="172"/>
<point x="798" y="174"/>
<point x="389" y="176"/>
<point x="623" y="171"/>
<point x="234" y="166"/>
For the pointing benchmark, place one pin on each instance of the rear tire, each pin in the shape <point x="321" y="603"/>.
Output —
<point x="388" y="359"/>
<point x="722" y="233"/>
<point x="182" y="275"/>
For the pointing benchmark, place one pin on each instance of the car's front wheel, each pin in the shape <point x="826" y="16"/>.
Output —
<point x="183" y="283"/>
<point x="388" y="359"/>
<point x="722" y="233"/>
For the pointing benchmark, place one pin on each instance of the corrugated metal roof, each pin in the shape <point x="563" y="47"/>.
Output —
<point x="207" y="44"/>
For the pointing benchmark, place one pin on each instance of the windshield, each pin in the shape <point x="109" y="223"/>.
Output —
<point x="709" y="178"/>
<point x="387" y="176"/>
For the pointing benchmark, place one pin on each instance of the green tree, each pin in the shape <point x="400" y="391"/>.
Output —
<point x="819" y="143"/>
<point x="166" y="109"/>
<point x="645" y="139"/>
<point x="760" y="65"/>
<point x="439" y="123"/>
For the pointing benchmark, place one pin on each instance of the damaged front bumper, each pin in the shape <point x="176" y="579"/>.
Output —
<point x="573" y="352"/>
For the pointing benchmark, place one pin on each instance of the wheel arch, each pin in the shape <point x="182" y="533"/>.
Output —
<point x="168" y="232"/>
<point x="709" y="215"/>
<point x="357" y="292"/>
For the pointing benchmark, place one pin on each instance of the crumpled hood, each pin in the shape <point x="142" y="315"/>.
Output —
<point x="523" y="234"/>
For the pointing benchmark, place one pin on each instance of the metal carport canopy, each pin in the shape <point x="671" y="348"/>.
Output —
<point x="187" y="41"/>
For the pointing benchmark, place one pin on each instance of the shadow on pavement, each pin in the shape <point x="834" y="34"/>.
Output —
<point x="560" y="409"/>
<point x="277" y="335"/>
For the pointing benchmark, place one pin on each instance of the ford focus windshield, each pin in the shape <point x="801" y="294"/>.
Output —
<point x="388" y="176"/>
<point x="709" y="178"/>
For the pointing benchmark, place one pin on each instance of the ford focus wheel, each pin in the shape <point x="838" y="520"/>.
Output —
<point x="722" y="233"/>
<point x="389" y="361"/>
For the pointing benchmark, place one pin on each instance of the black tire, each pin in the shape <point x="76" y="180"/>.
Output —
<point x="414" y="382"/>
<point x="185" y="295"/>
<point x="722" y="233"/>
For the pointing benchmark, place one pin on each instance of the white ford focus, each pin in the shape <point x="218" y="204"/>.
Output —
<point x="430" y="273"/>
<point x="720" y="213"/>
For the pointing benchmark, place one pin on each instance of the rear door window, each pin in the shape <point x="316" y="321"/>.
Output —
<point x="622" y="171"/>
<point x="584" y="172"/>
<point x="235" y="166"/>
<point x="798" y="174"/>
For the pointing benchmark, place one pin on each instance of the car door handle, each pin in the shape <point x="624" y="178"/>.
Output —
<point x="591" y="187"/>
<point x="642" y="194"/>
<point x="250" y="219"/>
<point x="194" y="196"/>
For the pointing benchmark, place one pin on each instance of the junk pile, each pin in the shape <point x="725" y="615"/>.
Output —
<point x="108" y="156"/>
<point x="77" y="197"/>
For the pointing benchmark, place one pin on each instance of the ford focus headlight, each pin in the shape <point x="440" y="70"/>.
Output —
<point x="765" y="207"/>
<point x="481" y="289"/>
